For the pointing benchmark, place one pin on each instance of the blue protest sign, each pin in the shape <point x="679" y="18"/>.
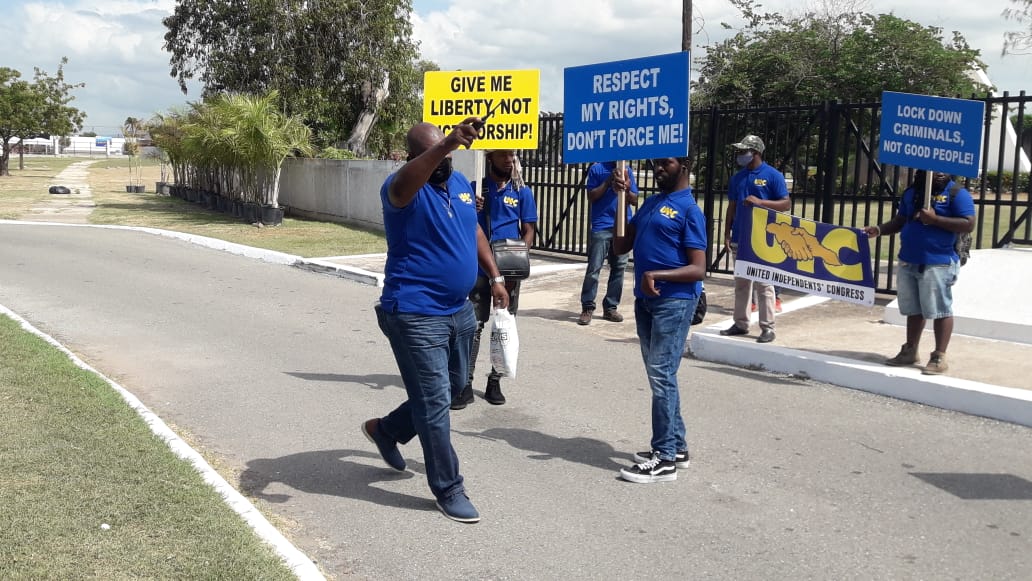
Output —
<point x="932" y="133"/>
<point x="632" y="109"/>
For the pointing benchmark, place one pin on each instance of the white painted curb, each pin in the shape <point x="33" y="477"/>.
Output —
<point x="298" y="562"/>
<point x="1009" y="404"/>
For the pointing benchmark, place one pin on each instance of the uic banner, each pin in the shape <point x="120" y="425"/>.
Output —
<point x="806" y="256"/>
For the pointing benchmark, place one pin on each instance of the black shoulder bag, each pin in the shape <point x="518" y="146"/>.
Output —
<point x="511" y="254"/>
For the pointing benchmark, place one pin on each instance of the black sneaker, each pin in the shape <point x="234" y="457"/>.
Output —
<point x="493" y="392"/>
<point x="681" y="458"/>
<point x="463" y="399"/>
<point x="654" y="470"/>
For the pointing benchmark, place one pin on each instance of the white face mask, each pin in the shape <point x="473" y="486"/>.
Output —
<point x="743" y="159"/>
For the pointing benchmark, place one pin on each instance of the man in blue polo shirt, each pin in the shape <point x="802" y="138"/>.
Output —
<point x="433" y="246"/>
<point x="602" y="184"/>
<point x="668" y="235"/>
<point x="757" y="184"/>
<point x="506" y="209"/>
<point x="928" y="262"/>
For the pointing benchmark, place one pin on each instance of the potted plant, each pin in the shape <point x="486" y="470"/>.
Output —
<point x="131" y="129"/>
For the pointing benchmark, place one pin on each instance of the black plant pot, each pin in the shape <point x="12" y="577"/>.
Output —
<point x="252" y="212"/>
<point x="191" y="194"/>
<point x="139" y="189"/>
<point x="272" y="216"/>
<point x="129" y="189"/>
<point x="238" y="209"/>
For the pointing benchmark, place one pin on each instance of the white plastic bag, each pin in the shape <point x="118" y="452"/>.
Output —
<point x="505" y="342"/>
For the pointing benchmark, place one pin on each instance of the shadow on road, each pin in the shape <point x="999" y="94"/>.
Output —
<point x="587" y="451"/>
<point x="373" y="380"/>
<point x="332" y="473"/>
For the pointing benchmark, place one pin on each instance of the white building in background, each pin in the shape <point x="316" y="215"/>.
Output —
<point x="1001" y="131"/>
<point x="77" y="145"/>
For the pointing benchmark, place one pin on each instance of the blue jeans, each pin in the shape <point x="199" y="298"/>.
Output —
<point x="662" y="331"/>
<point x="432" y="354"/>
<point x="600" y="248"/>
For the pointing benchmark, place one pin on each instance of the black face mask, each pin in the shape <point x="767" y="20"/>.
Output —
<point x="442" y="172"/>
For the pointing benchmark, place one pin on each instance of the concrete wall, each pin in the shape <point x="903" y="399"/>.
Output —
<point x="346" y="191"/>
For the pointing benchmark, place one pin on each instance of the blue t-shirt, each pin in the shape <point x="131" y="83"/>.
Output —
<point x="664" y="227"/>
<point x="603" y="210"/>
<point x="510" y="209"/>
<point x="921" y="244"/>
<point x="764" y="182"/>
<point x="431" y="249"/>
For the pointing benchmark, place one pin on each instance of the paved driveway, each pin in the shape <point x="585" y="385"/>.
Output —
<point x="271" y="369"/>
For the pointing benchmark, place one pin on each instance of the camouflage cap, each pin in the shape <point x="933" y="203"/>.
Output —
<point x="749" y="142"/>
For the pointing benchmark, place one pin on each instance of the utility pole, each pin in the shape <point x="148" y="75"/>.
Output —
<point x="686" y="25"/>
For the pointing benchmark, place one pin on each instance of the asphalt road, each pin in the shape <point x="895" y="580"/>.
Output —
<point x="269" y="370"/>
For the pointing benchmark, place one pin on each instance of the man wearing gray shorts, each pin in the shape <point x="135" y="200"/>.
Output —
<point x="928" y="262"/>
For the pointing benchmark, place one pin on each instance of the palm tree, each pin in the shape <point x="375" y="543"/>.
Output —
<point x="131" y="129"/>
<point x="262" y="137"/>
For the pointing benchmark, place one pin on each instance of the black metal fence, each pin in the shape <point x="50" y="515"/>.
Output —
<point x="828" y="153"/>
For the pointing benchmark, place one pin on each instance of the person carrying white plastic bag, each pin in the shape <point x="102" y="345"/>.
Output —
<point x="505" y="342"/>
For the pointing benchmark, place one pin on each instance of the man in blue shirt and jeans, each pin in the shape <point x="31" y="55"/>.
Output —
<point x="668" y="235"/>
<point x="602" y="185"/>
<point x="433" y="246"/>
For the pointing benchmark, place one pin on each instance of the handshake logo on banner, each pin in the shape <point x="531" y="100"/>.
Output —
<point x="807" y="256"/>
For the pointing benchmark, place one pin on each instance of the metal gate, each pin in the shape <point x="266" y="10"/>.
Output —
<point x="828" y="155"/>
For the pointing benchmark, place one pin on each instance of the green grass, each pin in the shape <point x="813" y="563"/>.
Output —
<point x="23" y="189"/>
<point x="306" y="238"/>
<point x="76" y="456"/>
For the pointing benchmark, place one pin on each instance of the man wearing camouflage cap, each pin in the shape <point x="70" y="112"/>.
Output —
<point x="760" y="185"/>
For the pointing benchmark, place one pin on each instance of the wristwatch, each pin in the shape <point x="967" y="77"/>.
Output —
<point x="498" y="280"/>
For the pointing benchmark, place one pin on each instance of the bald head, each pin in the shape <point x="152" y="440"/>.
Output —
<point x="422" y="137"/>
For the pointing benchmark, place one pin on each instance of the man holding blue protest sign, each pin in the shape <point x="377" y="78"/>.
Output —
<point x="668" y="235"/>
<point x="606" y="188"/>
<point x="928" y="262"/>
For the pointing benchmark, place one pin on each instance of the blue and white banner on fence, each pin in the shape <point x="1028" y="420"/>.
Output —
<point x="632" y="109"/>
<point x="811" y="257"/>
<point x="932" y="133"/>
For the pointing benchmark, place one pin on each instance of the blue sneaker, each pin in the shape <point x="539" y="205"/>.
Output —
<point x="388" y="448"/>
<point x="458" y="508"/>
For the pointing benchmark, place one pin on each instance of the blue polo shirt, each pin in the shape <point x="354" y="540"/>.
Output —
<point x="764" y="182"/>
<point x="509" y="208"/>
<point x="665" y="226"/>
<point x="431" y="249"/>
<point x="603" y="210"/>
<point x="921" y="244"/>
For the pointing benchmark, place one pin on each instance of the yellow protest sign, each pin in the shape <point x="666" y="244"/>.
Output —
<point x="509" y="97"/>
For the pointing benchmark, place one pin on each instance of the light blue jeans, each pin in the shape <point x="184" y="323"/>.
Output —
<point x="433" y="355"/>
<point x="662" y="331"/>
<point x="926" y="290"/>
<point x="600" y="248"/>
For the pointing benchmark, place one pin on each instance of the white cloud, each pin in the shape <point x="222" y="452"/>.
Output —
<point x="114" y="46"/>
<point x="553" y="34"/>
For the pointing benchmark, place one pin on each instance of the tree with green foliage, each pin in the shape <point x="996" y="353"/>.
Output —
<point x="815" y="57"/>
<point x="348" y="68"/>
<point x="39" y="107"/>
<point x="1019" y="41"/>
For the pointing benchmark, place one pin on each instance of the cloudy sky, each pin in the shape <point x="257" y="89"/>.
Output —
<point x="114" y="46"/>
